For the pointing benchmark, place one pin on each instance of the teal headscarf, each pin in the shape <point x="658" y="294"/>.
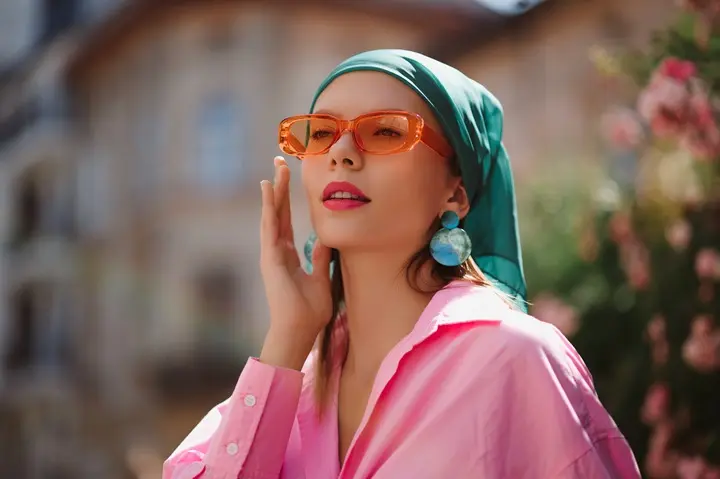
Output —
<point x="472" y="120"/>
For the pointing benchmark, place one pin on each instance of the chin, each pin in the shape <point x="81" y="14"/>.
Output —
<point x="344" y="238"/>
<point x="341" y="231"/>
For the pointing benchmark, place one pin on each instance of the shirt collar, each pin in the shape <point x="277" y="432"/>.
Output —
<point x="460" y="302"/>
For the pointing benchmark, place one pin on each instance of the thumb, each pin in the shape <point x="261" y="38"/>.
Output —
<point x="321" y="255"/>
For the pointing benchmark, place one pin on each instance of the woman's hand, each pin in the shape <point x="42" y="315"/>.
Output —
<point x="300" y="304"/>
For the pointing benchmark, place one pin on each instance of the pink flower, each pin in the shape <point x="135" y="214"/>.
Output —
<point x="622" y="128"/>
<point x="702" y="137"/>
<point x="549" y="309"/>
<point x="658" y="344"/>
<point x="702" y="326"/>
<point x="702" y="348"/>
<point x="702" y="112"/>
<point x="712" y="473"/>
<point x="664" y="103"/>
<point x="620" y="225"/>
<point x="656" y="404"/>
<point x="707" y="264"/>
<point x="678" y="235"/>
<point x="656" y="329"/>
<point x="691" y="467"/>
<point x="701" y="354"/>
<point x="660" y="462"/>
<point x="677" y="69"/>
<point x="635" y="261"/>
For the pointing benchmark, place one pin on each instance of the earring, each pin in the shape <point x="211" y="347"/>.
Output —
<point x="450" y="245"/>
<point x="307" y="251"/>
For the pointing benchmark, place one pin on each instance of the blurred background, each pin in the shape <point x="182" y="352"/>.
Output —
<point x="133" y="136"/>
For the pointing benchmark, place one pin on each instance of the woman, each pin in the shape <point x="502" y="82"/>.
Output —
<point x="425" y="364"/>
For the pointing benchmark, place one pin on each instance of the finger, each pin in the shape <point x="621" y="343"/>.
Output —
<point x="278" y="189"/>
<point x="284" y="215"/>
<point x="268" y="221"/>
<point x="282" y="199"/>
<point x="321" y="261"/>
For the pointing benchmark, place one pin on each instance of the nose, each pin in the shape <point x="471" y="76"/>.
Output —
<point x="345" y="153"/>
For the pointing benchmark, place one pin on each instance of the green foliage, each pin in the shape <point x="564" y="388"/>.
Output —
<point x="551" y="208"/>
<point x="559" y="213"/>
<point x="679" y="41"/>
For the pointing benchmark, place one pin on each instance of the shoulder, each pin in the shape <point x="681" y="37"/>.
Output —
<point x="539" y="391"/>
<point x="527" y="335"/>
<point x="463" y="304"/>
<point x="490" y="332"/>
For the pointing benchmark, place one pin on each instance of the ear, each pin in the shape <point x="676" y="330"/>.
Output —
<point x="458" y="200"/>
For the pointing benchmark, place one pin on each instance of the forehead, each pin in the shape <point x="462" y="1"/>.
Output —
<point x="355" y="93"/>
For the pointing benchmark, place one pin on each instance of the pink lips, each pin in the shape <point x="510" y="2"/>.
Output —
<point x="343" y="188"/>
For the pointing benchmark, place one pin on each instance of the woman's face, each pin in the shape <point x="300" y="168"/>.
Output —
<point x="406" y="191"/>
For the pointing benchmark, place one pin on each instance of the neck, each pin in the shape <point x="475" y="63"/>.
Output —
<point x="381" y="307"/>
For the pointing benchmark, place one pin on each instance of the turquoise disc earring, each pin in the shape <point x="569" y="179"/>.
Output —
<point x="307" y="251"/>
<point x="450" y="245"/>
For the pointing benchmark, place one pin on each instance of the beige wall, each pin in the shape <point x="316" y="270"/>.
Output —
<point x="551" y="92"/>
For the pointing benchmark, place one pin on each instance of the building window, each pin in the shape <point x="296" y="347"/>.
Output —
<point x="22" y="351"/>
<point x="58" y="16"/>
<point x="216" y="303"/>
<point x="28" y="210"/>
<point x="219" y="144"/>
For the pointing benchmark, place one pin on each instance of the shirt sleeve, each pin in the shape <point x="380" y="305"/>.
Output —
<point x="247" y="435"/>
<point x="558" y="427"/>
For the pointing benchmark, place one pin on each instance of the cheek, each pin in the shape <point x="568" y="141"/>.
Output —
<point x="420" y="183"/>
<point x="314" y="181"/>
<point x="311" y="179"/>
<point x="413" y="193"/>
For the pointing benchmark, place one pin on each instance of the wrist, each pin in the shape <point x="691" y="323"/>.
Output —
<point x="285" y="349"/>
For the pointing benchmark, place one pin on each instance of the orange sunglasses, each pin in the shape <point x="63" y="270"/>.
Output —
<point x="377" y="133"/>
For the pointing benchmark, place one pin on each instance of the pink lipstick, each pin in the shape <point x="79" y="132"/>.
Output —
<point x="341" y="195"/>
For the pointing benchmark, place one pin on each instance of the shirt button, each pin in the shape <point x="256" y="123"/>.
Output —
<point x="231" y="449"/>
<point x="250" y="400"/>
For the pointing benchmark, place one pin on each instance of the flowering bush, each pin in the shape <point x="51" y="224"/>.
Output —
<point x="666" y="237"/>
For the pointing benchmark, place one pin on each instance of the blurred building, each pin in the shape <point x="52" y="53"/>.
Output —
<point x="133" y="135"/>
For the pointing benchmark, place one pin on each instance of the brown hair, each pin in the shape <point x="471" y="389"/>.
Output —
<point x="440" y="274"/>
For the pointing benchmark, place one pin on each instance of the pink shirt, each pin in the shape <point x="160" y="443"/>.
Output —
<point x="476" y="390"/>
